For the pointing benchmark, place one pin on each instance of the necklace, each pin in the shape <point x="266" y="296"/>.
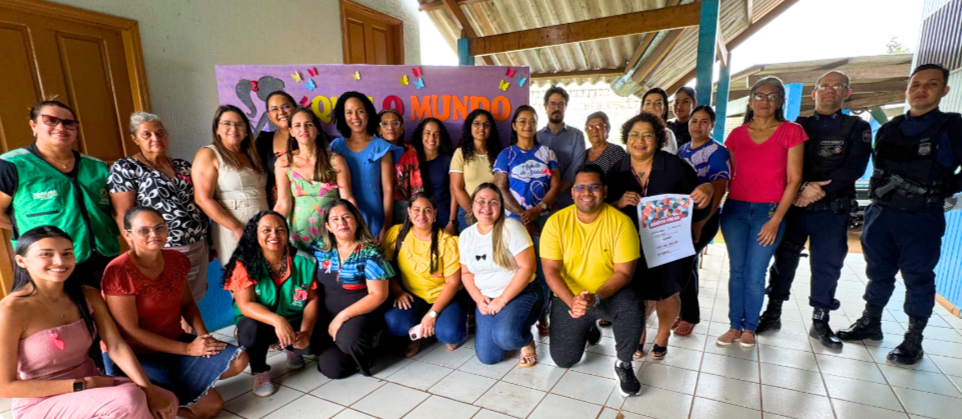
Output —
<point x="281" y="270"/>
<point x="57" y="162"/>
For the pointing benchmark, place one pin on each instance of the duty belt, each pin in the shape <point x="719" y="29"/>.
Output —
<point x="837" y="205"/>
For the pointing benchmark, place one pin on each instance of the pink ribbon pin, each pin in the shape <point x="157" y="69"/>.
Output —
<point x="56" y="341"/>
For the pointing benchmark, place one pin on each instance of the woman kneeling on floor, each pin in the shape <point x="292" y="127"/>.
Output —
<point x="147" y="292"/>
<point x="429" y="279"/>
<point x="275" y="297"/>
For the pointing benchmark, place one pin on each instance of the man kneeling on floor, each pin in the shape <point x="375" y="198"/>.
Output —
<point x="588" y="252"/>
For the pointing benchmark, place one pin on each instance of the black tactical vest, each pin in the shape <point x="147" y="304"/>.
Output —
<point x="826" y="152"/>
<point x="907" y="174"/>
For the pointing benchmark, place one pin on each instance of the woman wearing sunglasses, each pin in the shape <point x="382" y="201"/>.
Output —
<point x="48" y="183"/>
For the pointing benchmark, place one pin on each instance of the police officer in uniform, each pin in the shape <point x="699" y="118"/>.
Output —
<point x="836" y="155"/>
<point x="917" y="156"/>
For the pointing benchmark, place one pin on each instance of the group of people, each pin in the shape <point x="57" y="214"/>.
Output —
<point x="334" y="248"/>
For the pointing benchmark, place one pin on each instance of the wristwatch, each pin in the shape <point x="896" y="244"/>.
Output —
<point x="78" y="385"/>
<point x="455" y="222"/>
<point x="544" y="207"/>
<point x="433" y="314"/>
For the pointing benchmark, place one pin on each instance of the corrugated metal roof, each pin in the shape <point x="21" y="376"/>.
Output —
<point x="503" y="16"/>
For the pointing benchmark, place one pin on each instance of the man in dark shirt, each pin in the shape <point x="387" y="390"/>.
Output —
<point x="836" y="155"/>
<point x="917" y="159"/>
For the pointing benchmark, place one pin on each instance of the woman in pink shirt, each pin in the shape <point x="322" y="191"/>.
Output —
<point x="767" y="154"/>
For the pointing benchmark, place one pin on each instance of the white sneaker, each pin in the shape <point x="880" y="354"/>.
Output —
<point x="263" y="387"/>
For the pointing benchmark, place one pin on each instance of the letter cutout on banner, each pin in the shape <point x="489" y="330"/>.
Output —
<point x="459" y="108"/>
<point x="420" y="110"/>
<point x="480" y="102"/>
<point x="445" y="111"/>
<point x="393" y="102"/>
<point x="501" y="108"/>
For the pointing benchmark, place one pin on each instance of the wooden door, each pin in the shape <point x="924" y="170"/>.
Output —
<point x="87" y="60"/>
<point x="370" y="37"/>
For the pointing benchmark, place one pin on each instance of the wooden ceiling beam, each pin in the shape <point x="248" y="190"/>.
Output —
<point x="861" y="73"/>
<point x="439" y="4"/>
<point x="604" y="72"/>
<point x="588" y="30"/>
<point x="755" y="26"/>
<point x="657" y="55"/>
<point x="454" y="8"/>
<point x="645" y="43"/>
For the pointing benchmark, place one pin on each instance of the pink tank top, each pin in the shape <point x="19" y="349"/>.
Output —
<point x="58" y="353"/>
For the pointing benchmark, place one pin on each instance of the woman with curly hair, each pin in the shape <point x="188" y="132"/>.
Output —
<point x="434" y="148"/>
<point x="370" y="158"/>
<point x="473" y="162"/>
<point x="354" y="276"/>
<point x="649" y="170"/>
<point x="429" y="277"/>
<point x="275" y="297"/>
<point x="407" y="171"/>
<point x="308" y="177"/>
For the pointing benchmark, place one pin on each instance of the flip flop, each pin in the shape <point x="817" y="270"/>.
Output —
<point x="528" y="359"/>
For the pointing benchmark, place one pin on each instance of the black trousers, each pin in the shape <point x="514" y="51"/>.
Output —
<point x="827" y="232"/>
<point x="624" y="310"/>
<point x="906" y="241"/>
<point x="257" y="338"/>
<point x="690" y="310"/>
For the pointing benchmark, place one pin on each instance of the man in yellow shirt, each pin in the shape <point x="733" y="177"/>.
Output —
<point x="588" y="253"/>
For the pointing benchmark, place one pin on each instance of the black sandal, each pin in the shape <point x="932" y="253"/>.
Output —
<point x="639" y="352"/>
<point x="658" y="352"/>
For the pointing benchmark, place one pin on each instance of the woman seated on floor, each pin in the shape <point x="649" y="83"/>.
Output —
<point x="147" y="293"/>
<point x="275" y="297"/>
<point x="429" y="278"/>
<point x="497" y="268"/>
<point x="354" y="276"/>
<point x="48" y="323"/>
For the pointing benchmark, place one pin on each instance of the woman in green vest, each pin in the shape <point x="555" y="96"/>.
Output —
<point x="48" y="183"/>
<point x="275" y="296"/>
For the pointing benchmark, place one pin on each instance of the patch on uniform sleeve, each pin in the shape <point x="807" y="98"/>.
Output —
<point x="867" y="136"/>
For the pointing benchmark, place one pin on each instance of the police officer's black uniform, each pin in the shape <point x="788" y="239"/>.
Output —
<point x="916" y="159"/>
<point x="838" y="149"/>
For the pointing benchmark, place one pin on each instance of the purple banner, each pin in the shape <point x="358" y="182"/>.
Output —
<point x="418" y="92"/>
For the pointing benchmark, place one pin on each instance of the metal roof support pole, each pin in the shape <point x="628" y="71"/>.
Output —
<point x="793" y="101"/>
<point x="721" y="99"/>
<point x="464" y="58"/>
<point x="707" y="40"/>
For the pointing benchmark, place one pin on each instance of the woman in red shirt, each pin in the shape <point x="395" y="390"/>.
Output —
<point x="767" y="154"/>
<point x="147" y="293"/>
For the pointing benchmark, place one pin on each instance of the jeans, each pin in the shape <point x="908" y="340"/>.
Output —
<point x="510" y="329"/>
<point x="740" y="223"/>
<point x="462" y="222"/>
<point x="451" y="326"/>
<point x="625" y="310"/>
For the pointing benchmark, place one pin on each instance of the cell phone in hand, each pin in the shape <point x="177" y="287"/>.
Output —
<point x="415" y="332"/>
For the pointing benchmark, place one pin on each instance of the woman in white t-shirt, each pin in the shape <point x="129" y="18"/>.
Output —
<point x="497" y="269"/>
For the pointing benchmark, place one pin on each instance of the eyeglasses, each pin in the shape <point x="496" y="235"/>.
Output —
<point x="634" y="135"/>
<point x="53" y="121"/>
<point x="484" y="125"/>
<point x="594" y="187"/>
<point x="236" y="125"/>
<point x="835" y="87"/>
<point x="489" y="204"/>
<point x="557" y="105"/>
<point x="532" y="122"/>
<point x="771" y="97"/>
<point x="392" y="124"/>
<point x="284" y="107"/>
<point x="595" y="128"/>
<point x="159" y="230"/>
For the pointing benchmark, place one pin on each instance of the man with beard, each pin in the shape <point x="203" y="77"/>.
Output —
<point x="567" y="142"/>
<point x="588" y="252"/>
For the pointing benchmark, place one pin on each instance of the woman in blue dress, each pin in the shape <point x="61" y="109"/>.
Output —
<point x="370" y="158"/>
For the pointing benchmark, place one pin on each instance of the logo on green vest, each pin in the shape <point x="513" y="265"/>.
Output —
<point x="43" y="196"/>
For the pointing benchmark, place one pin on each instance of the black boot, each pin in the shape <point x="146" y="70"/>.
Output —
<point x="909" y="351"/>
<point x="869" y="326"/>
<point x="771" y="319"/>
<point x="822" y="331"/>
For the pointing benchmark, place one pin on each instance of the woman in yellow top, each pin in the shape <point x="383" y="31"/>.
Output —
<point x="427" y="259"/>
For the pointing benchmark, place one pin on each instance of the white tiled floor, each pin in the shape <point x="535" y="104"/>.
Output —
<point x="786" y="376"/>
